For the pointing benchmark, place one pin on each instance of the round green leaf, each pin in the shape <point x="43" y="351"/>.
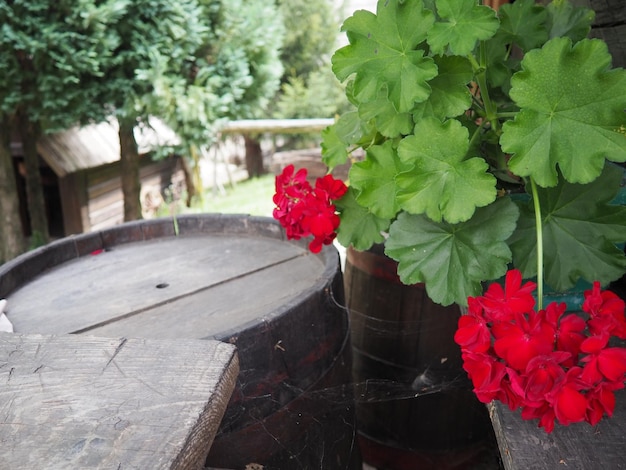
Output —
<point x="442" y="183"/>
<point x="572" y="108"/>
<point x="452" y="260"/>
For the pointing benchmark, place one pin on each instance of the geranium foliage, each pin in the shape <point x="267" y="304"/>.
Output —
<point x="552" y="365"/>
<point x="458" y="110"/>
<point x="576" y="219"/>
<point x="453" y="259"/>
<point x="572" y="107"/>
<point x="463" y="23"/>
<point x="389" y="41"/>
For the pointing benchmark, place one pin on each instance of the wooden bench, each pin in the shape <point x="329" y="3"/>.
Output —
<point x="524" y="446"/>
<point x="84" y="402"/>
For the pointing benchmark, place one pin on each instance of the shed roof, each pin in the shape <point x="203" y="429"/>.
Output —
<point x="81" y="148"/>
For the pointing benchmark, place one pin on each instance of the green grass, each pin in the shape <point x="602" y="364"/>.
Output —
<point x="253" y="196"/>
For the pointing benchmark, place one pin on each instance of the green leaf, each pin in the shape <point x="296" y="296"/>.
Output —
<point x="359" y="227"/>
<point x="374" y="178"/>
<point x="464" y="24"/>
<point x="443" y="183"/>
<point x="336" y="137"/>
<point x="389" y="122"/>
<point x="580" y="230"/>
<point x="382" y="52"/>
<point x="334" y="150"/>
<point x="567" y="20"/>
<point x="522" y="23"/>
<point x="450" y="95"/>
<point x="453" y="260"/>
<point x="348" y="130"/>
<point x="501" y="67"/>
<point x="572" y="109"/>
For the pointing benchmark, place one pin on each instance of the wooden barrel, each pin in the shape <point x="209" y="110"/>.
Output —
<point x="415" y="407"/>
<point x="231" y="278"/>
<point x="610" y="26"/>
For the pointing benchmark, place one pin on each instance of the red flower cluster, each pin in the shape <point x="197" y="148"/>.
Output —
<point x="553" y="366"/>
<point x="303" y="210"/>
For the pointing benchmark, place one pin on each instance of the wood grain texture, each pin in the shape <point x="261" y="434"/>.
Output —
<point x="231" y="278"/>
<point x="276" y="126"/>
<point x="524" y="446"/>
<point x="85" y="402"/>
<point x="177" y="276"/>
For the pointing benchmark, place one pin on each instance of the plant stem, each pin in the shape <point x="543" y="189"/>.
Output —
<point x="480" y="72"/>
<point x="510" y="114"/>
<point x="476" y="134"/>
<point x="539" y="232"/>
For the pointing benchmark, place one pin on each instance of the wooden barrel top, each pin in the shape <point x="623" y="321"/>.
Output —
<point x="216" y="276"/>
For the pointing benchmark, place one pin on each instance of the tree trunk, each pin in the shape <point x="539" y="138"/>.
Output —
<point x="30" y="133"/>
<point x="129" y="159"/>
<point x="254" y="156"/>
<point x="11" y="233"/>
<point x="191" y="188"/>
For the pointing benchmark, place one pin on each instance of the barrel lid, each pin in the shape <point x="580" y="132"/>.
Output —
<point x="218" y="274"/>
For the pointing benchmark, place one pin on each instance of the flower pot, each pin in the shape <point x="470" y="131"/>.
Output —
<point x="415" y="407"/>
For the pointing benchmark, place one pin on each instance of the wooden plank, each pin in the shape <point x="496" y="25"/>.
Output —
<point x="607" y="11"/>
<point x="275" y="126"/>
<point x="102" y="202"/>
<point x="136" y="277"/>
<point x="108" y="216"/>
<point x="615" y="37"/>
<point x="524" y="446"/>
<point x="223" y="308"/>
<point x="84" y="402"/>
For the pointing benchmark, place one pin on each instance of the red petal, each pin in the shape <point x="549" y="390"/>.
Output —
<point x="570" y="406"/>
<point x="612" y="364"/>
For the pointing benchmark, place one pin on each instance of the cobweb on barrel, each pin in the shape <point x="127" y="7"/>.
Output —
<point x="378" y="421"/>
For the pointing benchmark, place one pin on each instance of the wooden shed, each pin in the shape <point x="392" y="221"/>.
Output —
<point x="80" y="171"/>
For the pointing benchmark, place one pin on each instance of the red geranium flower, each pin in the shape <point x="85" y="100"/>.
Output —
<point x="303" y="210"/>
<point x="602" y="362"/>
<point x="606" y="310"/>
<point x="473" y="333"/>
<point x="486" y="374"/>
<point x="542" y="375"/>
<point x="570" y="405"/>
<point x="569" y="330"/>
<point x="504" y="303"/>
<point x="554" y="366"/>
<point x="517" y="342"/>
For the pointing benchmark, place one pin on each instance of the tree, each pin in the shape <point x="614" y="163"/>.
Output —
<point x="262" y="44"/>
<point x="312" y="30"/>
<point x="157" y="40"/>
<point x="66" y="63"/>
<point x="50" y="54"/>
<point x="11" y="236"/>
<point x="235" y="73"/>
<point x="309" y="88"/>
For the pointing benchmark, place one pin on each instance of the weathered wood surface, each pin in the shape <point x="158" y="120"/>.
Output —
<point x="610" y="26"/>
<point x="524" y="446"/>
<point x="174" y="287"/>
<point x="76" y="402"/>
<point x="276" y="126"/>
<point x="90" y="146"/>
<point x="231" y="278"/>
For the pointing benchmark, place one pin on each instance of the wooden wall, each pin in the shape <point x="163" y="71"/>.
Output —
<point x="93" y="200"/>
